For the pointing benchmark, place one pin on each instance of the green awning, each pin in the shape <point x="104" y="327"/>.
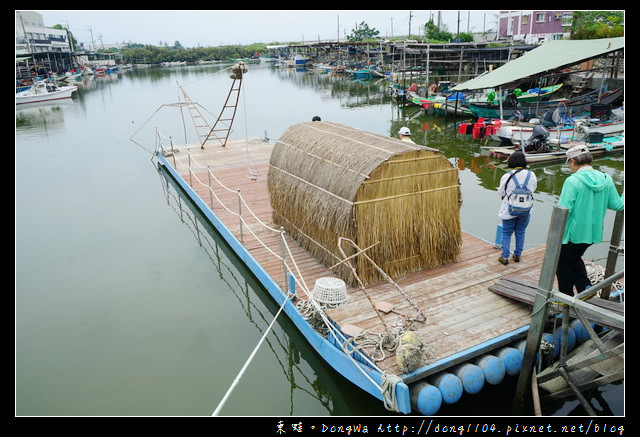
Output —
<point x="550" y="56"/>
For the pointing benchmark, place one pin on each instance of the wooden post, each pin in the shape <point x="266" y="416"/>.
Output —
<point x="283" y="245"/>
<point x="614" y="246"/>
<point x="209" y="185"/>
<point x="190" y="180"/>
<point x="240" y="214"/>
<point x="564" y="339"/>
<point x="540" y="305"/>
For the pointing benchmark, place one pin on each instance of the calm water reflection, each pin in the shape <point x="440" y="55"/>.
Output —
<point x="127" y="305"/>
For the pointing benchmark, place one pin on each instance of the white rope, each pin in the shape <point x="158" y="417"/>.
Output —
<point x="255" y="350"/>
<point x="389" y="383"/>
<point x="252" y="173"/>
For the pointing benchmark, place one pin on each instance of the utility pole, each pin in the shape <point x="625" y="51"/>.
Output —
<point x="93" y="44"/>
<point x="410" y="15"/>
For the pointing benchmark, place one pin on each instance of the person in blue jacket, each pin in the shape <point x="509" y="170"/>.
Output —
<point x="587" y="194"/>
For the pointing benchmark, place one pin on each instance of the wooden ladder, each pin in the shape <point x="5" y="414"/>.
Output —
<point x="199" y="122"/>
<point x="220" y="131"/>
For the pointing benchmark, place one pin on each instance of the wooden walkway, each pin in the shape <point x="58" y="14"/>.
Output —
<point x="461" y="312"/>
<point x="524" y="291"/>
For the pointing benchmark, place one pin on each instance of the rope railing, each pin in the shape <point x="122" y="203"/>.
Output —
<point x="387" y="385"/>
<point x="243" y="210"/>
<point x="209" y="245"/>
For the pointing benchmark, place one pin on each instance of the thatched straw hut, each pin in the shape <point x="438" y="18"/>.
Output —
<point x="328" y="180"/>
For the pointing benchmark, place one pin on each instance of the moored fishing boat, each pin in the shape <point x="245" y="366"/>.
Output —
<point x="556" y="150"/>
<point x="513" y="132"/>
<point x="538" y="94"/>
<point x="43" y="92"/>
<point x="454" y="104"/>
<point x="72" y="75"/>
<point x="362" y="73"/>
<point x="426" y="102"/>
<point x="576" y="106"/>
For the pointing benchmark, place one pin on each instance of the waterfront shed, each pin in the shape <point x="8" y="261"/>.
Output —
<point x="327" y="180"/>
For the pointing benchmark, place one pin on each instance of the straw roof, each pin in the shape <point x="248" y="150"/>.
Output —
<point x="328" y="180"/>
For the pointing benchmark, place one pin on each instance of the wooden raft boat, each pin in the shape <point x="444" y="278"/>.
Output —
<point x="466" y="324"/>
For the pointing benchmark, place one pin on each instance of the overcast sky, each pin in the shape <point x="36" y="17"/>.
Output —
<point x="227" y="27"/>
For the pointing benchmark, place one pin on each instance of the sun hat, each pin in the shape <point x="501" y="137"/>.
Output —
<point x="576" y="151"/>
<point x="404" y="131"/>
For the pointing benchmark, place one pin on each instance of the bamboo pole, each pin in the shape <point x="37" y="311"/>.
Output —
<point x="614" y="247"/>
<point x="540" y="305"/>
<point x="583" y="401"/>
<point x="535" y="394"/>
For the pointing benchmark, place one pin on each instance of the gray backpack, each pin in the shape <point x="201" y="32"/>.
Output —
<point x="520" y="200"/>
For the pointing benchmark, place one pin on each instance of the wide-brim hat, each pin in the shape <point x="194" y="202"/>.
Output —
<point x="576" y="151"/>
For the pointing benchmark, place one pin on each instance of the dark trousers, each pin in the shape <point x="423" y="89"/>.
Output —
<point x="571" y="270"/>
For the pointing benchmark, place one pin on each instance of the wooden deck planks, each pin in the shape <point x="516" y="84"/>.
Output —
<point x="524" y="290"/>
<point x="461" y="310"/>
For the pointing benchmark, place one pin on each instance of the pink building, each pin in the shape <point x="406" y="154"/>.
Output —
<point x="534" y="27"/>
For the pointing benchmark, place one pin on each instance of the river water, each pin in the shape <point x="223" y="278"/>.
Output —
<point x="125" y="304"/>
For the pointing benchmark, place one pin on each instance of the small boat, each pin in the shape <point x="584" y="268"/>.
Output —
<point x="536" y="94"/>
<point x="109" y="69"/>
<point x="72" y="75"/>
<point x="555" y="150"/>
<point x="454" y="104"/>
<point x="575" y="106"/>
<point x="511" y="133"/>
<point x="173" y="63"/>
<point x="362" y="73"/>
<point x="602" y="121"/>
<point x="320" y="69"/>
<point x="42" y="92"/>
<point x="379" y="72"/>
<point x="300" y="60"/>
<point x="425" y="102"/>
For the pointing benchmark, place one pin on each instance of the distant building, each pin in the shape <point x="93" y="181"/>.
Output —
<point x="32" y="36"/>
<point x="534" y="27"/>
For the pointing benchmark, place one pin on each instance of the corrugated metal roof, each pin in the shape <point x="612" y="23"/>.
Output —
<point x="549" y="56"/>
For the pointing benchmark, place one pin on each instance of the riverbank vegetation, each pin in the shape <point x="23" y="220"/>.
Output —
<point x="585" y="25"/>
<point x="149" y="54"/>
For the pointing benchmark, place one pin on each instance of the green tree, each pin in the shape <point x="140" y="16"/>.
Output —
<point x="154" y="54"/>
<point x="432" y="32"/>
<point x="362" y="32"/>
<point x="465" y="37"/>
<point x="597" y="24"/>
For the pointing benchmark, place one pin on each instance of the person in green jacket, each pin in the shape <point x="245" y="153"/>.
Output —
<point x="587" y="194"/>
